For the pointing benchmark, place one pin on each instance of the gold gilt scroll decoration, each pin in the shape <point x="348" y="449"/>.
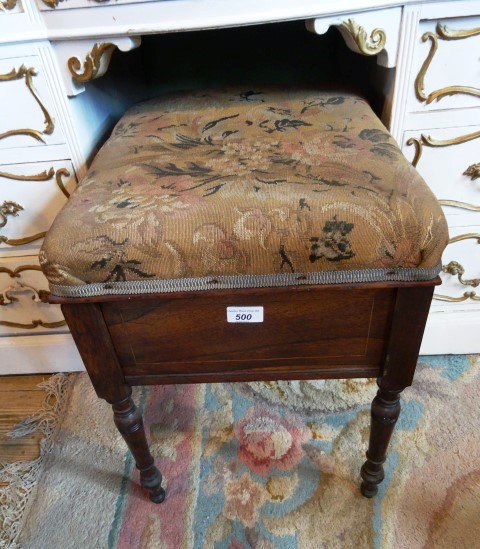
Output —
<point x="442" y="33"/>
<point x="12" y="208"/>
<point x="366" y="45"/>
<point x="456" y="269"/>
<point x="27" y="74"/>
<point x="39" y="296"/>
<point x="94" y="65"/>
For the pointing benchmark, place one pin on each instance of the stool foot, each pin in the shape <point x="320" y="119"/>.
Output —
<point x="372" y="475"/>
<point x="368" y="490"/>
<point x="130" y="424"/>
<point x="384" y="415"/>
<point x="151" y="480"/>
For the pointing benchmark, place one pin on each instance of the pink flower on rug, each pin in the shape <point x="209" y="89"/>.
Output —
<point x="243" y="498"/>
<point x="235" y="544"/>
<point x="266" y="440"/>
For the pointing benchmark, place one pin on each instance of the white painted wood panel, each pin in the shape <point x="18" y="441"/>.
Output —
<point x="451" y="333"/>
<point x="23" y="307"/>
<point x="455" y="64"/>
<point x="27" y="115"/>
<point x="38" y="354"/>
<point x="464" y="250"/>
<point x="444" y="167"/>
<point x="177" y="15"/>
<point x="40" y="189"/>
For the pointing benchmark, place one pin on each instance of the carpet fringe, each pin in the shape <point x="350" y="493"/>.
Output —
<point x="22" y="477"/>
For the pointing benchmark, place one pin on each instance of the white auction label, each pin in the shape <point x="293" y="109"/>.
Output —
<point x="244" y="314"/>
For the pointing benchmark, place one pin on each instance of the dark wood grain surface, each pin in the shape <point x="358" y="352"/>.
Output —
<point x="305" y="331"/>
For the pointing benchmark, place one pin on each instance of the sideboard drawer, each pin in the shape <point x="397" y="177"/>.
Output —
<point x="446" y="66"/>
<point x="460" y="287"/>
<point x="31" y="196"/>
<point x="27" y="116"/>
<point x="23" y="299"/>
<point x="449" y="161"/>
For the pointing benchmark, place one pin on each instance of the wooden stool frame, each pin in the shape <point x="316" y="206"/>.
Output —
<point x="309" y="332"/>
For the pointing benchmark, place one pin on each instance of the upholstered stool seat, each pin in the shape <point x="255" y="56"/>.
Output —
<point x="225" y="190"/>
<point x="298" y="204"/>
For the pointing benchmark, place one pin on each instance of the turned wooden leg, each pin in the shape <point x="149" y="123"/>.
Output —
<point x="385" y="412"/>
<point x="130" y="424"/>
<point x="401" y="354"/>
<point x="88" y="328"/>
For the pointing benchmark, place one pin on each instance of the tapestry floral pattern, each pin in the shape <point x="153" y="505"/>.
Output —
<point x="261" y="182"/>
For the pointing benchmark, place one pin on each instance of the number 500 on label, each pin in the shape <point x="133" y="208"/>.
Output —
<point x="244" y="314"/>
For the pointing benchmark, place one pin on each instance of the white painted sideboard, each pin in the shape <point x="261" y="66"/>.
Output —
<point x="52" y="119"/>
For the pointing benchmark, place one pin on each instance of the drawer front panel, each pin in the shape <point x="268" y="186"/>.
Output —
<point x="460" y="287"/>
<point x="190" y="336"/>
<point x="23" y="300"/>
<point x="27" y="116"/>
<point x="449" y="161"/>
<point x="446" y="66"/>
<point x="31" y="195"/>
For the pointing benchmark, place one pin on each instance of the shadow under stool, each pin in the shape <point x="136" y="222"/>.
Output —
<point x="243" y="236"/>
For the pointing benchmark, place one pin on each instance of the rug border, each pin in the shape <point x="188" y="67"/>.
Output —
<point x="60" y="385"/>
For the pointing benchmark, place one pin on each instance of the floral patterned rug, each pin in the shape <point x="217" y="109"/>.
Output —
<point x="268" y="465"/>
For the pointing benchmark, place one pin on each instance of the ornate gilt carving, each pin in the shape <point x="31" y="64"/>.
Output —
<point x="59" y="174"/>
<point x="418" y="143"/>
<point x="448" y="34"/>
<point x="420" y="80"/>
<point x="429" y="141"/>
<point x="33" y="324"/>
<point x="21" y="241"/>
<point x="28" y="74"/>
<point x="38" y="296"/>
<point x="6" y="296"/>
<point x="16" y="273"/>
<point x="473" y="171"/>
<point x="455" y="268"/>
<point x="366" y="45"/>
<point x="457" y="204"/>
<point x="443" y="33"/>
<point x="467" y="295"/>
<point x="52" y="3"/>
<point x="95" y="64"/>
<point x="43" y="176"/>
<point x="432" y="142"/>
<point x="9" y="207"/>
<point x="7" y="5"/>
<point x="466" y="236"/>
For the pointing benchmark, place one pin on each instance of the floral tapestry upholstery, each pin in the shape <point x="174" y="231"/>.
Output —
<point x="222" y="189"/>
